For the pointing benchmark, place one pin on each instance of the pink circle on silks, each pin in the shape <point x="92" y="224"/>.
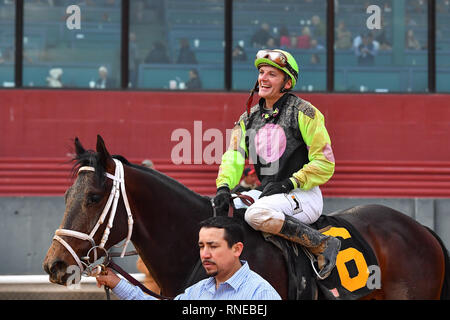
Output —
<point x="270" y="142"/>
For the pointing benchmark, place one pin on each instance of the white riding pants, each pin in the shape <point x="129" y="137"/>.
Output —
<point x="306" y="206"/>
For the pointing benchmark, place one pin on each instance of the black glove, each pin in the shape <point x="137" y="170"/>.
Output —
<point x="222" y="200"/>
<point x="277" y="187"/>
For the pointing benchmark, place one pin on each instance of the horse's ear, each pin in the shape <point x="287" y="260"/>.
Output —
<point x="78" y="147"/>
<point x="103" y="153"/>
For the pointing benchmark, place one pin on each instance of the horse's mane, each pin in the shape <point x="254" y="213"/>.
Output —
<point x="90" y="158"/>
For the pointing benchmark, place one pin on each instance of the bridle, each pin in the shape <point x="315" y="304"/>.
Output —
<point x="118" y="187"/>
<point x="88" y="268"/>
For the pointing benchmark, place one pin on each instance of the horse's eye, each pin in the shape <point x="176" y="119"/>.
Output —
<point x="93" y="198"/>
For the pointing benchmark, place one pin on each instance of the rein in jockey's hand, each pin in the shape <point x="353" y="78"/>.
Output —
<point x="222" y="200"/>
<point x="271" y="188"/>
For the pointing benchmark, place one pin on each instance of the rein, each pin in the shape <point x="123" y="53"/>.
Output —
<point x="135" y="282"/>
<point x="247" y="200"/>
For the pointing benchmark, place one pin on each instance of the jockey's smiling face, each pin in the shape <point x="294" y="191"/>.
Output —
<point x="271" y="80"/>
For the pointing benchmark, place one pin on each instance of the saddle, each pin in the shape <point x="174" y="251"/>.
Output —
<point x="349" y="280"/>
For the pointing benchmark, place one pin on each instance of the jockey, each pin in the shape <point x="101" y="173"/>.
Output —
<point x="285" y="138"/>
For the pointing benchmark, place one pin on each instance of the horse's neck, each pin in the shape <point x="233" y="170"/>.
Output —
<point x="166" y="229"/>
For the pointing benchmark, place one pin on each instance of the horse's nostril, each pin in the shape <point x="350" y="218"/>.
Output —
<point x="57" y="266"/>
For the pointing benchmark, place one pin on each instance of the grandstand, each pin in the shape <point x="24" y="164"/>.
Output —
<point x="48" y="43"/>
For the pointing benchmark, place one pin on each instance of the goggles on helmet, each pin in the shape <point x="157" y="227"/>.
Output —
<point x="277" y="57"/>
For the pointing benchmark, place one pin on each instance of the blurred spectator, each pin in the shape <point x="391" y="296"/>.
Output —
<point x="315" y="59"/>
<point x="7" y="55"/>
<point x="54" y="78"/>
<point x="443" y="7"/>
<point x="366" y="51"/>
<point x="103" y="82"/>
<point x="194" y="81"/>
<point x="271" y="43"/>
<point x="186" y="55"/>
<point x="343" y="36"/>
<point x="319" y="29"/>
<point x="382" y="39"/>
<point x="381" y="36"/>
<point x="285" y="39"/>
<point x="418" y="6"/>
<point x="358" y="40"/>
<point x="411" y="41"/>
<point x="157" y="54"/>
<point x="303" y="41"/>
<point x="148" y="164"/>
<point x="261" y="36"/>
<point x="409" y="21"/>
<point x="137" y="11"/>
<point x="387" y="8"/>
<point x="111" y="3"/>
<point x="294" y="41"/>
<point x="249" y="181"/>
<point x="315" y="45"/>
<point x="239" y="53"/>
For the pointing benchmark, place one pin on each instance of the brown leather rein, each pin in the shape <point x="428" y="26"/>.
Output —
<point x="247" y="200"/>
<point x="133" y="281"/>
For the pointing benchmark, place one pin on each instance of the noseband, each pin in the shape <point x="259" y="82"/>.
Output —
<point x="118" y="187"/>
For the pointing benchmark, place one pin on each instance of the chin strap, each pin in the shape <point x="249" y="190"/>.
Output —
<point x="250" y="99"/>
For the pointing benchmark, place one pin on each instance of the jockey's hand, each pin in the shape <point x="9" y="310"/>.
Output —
<point x="271" y="188"/>
<point x="222" y="200"/>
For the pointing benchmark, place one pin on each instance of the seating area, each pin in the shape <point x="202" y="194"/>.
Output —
<point x="204" y="31"/>
<point x="49" y="43"/>
<point x="355" y="79"/>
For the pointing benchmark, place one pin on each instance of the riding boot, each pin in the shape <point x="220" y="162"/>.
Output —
<point x="324" y="247"/>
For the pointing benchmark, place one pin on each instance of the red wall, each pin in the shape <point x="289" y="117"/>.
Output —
<point x="42" y="123"/>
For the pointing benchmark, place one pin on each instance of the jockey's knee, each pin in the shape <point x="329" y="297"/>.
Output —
<point x="252" y="217"/>
<point x="263" y="219"/>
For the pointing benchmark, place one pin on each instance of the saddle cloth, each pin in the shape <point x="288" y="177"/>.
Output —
<point x="356" y="264"/>
<point x="351" y="279"/>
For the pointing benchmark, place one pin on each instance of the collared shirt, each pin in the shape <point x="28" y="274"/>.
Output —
<point x="245" y="284"/>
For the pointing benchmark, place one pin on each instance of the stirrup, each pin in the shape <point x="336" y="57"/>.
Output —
<point x="313" y="259"/>
<point x="335" y="246"/>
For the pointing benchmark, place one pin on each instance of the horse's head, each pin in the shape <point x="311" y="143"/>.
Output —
<point x="85" y="220"/>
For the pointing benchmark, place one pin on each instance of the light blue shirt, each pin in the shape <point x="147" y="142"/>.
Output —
<point x="245" y="284"/>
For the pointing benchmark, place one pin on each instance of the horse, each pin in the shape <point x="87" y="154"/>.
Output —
<point x="413" y="261"/>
